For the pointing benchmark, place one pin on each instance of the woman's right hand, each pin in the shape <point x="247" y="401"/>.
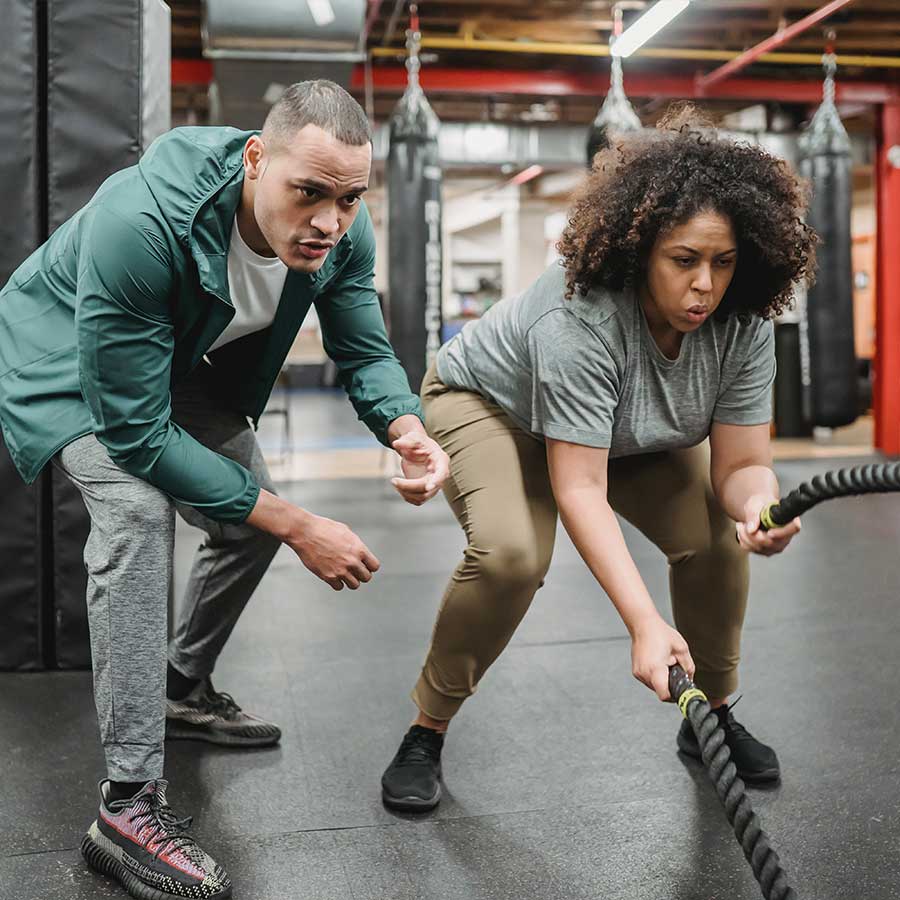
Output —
<point x="654" y="647"/>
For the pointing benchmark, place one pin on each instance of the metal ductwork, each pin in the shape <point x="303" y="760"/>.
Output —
<point x="494" y="144"/>
<point x="260" y="48"/>
<point x="467" y="145"/>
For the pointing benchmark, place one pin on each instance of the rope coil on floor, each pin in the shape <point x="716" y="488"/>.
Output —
<point x="723" y="774"/>
<point x="875" y="478"/>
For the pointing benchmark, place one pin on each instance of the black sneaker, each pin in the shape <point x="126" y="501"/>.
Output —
<point x="143" y="845"/>
<point x="207" y="715"/>
<point x="412" y="781"/>
<point x="756" y="763"/>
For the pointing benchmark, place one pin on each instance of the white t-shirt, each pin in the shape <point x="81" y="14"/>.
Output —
<point x="255" y="283"/>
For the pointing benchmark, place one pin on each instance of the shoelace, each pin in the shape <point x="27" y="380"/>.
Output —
<point x="740" y="733"/>
<point x="416" y="749"/>
<point x="169" y="832"/>
<point x="222" y="703"/>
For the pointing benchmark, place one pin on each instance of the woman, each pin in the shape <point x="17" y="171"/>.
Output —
<point x="633" y="377"/>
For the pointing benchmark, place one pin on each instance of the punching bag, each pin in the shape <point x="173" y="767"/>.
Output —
<point x="414" y="225"/>
<point x="23" y="588"/>
<point x="792" y="395"/>
<point x="825" y="161"/>
<point x="616" y="116"/>
<point x="84" y="87"/>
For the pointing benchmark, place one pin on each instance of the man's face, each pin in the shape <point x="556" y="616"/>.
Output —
<point x="306" y="195"/>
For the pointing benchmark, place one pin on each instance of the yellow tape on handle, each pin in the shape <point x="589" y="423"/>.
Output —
<point x="765" y="517"/>
<point x="687" y="696"/>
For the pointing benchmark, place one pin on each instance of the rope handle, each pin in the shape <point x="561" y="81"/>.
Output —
<point x="874" y="478"/>
<point x="716" y="759"/>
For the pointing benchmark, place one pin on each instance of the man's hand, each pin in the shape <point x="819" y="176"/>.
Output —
<point x="654" y="647"/>
<point x="754" y="538"/>
<point x="425" y="467"/>
<point x="334" y="553"/>
<point x="329" y="549"/>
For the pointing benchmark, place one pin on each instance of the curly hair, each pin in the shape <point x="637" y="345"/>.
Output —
<point x="651" y="182"/>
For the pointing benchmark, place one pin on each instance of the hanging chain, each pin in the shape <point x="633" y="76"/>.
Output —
<point x="829" y="63"/>
<point x="616" y="78"/>
<point x="413" y="43"/>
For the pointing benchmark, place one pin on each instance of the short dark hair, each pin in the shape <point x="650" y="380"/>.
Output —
<point x="322" y="103"/>
<point x="650" y="182"/>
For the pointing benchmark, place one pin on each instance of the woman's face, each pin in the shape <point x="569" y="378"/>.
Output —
<point x="688" y="272"/>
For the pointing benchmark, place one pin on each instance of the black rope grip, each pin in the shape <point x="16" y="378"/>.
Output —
<point x="723" y="774"/>
<point x="875" y="478"/>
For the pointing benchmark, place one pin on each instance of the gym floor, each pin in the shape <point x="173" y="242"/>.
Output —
<point x="562" y="778"/>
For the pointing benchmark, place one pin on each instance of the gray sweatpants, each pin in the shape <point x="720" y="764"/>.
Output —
<point x="129" y="563"/>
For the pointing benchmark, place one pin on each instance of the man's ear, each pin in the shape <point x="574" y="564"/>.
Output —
<point x="254" y="157"/>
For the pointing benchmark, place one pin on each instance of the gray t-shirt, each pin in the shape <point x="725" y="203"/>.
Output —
<point x="587" y="370"/>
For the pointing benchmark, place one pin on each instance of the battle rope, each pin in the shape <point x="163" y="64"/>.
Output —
<point x="876" y="478"/>
<point x="723" y="774"/>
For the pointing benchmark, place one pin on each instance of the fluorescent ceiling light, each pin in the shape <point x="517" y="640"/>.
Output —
<point x="321" y="11"/>
<point x="638" y="33"/>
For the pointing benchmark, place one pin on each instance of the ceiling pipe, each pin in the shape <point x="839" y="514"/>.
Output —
<point x="392" y="22"/>
<point x="770" y="43"/>
<point x="371" y="16"/>
<point x="561" y="49"/>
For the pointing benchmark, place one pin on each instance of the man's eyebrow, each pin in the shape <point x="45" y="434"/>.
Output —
<point x="311" y="183"/>
<point x="326" y="188"/>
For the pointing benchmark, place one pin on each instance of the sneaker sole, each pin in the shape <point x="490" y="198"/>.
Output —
<point x="766" y="776"/>
<point x="411" y="804"/>
<point x="100" y="861"/>
<point x="184" y="732"/>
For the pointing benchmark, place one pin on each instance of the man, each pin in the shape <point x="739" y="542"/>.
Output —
<point x="134" y="346"/>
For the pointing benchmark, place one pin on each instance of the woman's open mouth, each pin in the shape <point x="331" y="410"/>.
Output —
<point x="697" y="313"/>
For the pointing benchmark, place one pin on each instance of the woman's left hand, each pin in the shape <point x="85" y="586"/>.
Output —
<point x="756" y="539"/>
<point x="425" y="467"/>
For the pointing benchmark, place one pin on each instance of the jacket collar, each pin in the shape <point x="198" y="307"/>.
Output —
<point x="209" y="236"/>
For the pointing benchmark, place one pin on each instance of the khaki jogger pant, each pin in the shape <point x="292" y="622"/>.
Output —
<point x="499" y="490"/>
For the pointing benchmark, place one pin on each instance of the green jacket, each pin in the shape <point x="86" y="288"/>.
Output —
<point x="129" y="295"/>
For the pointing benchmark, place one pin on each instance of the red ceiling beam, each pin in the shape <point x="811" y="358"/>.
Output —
<point x="705" y="82"/>
<point x="491" y="82"/>
<point x="191" y="71"/>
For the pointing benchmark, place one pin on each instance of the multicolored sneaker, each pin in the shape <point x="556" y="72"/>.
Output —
<point x="207" y="715"/>
<point x="143" y="845"/>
